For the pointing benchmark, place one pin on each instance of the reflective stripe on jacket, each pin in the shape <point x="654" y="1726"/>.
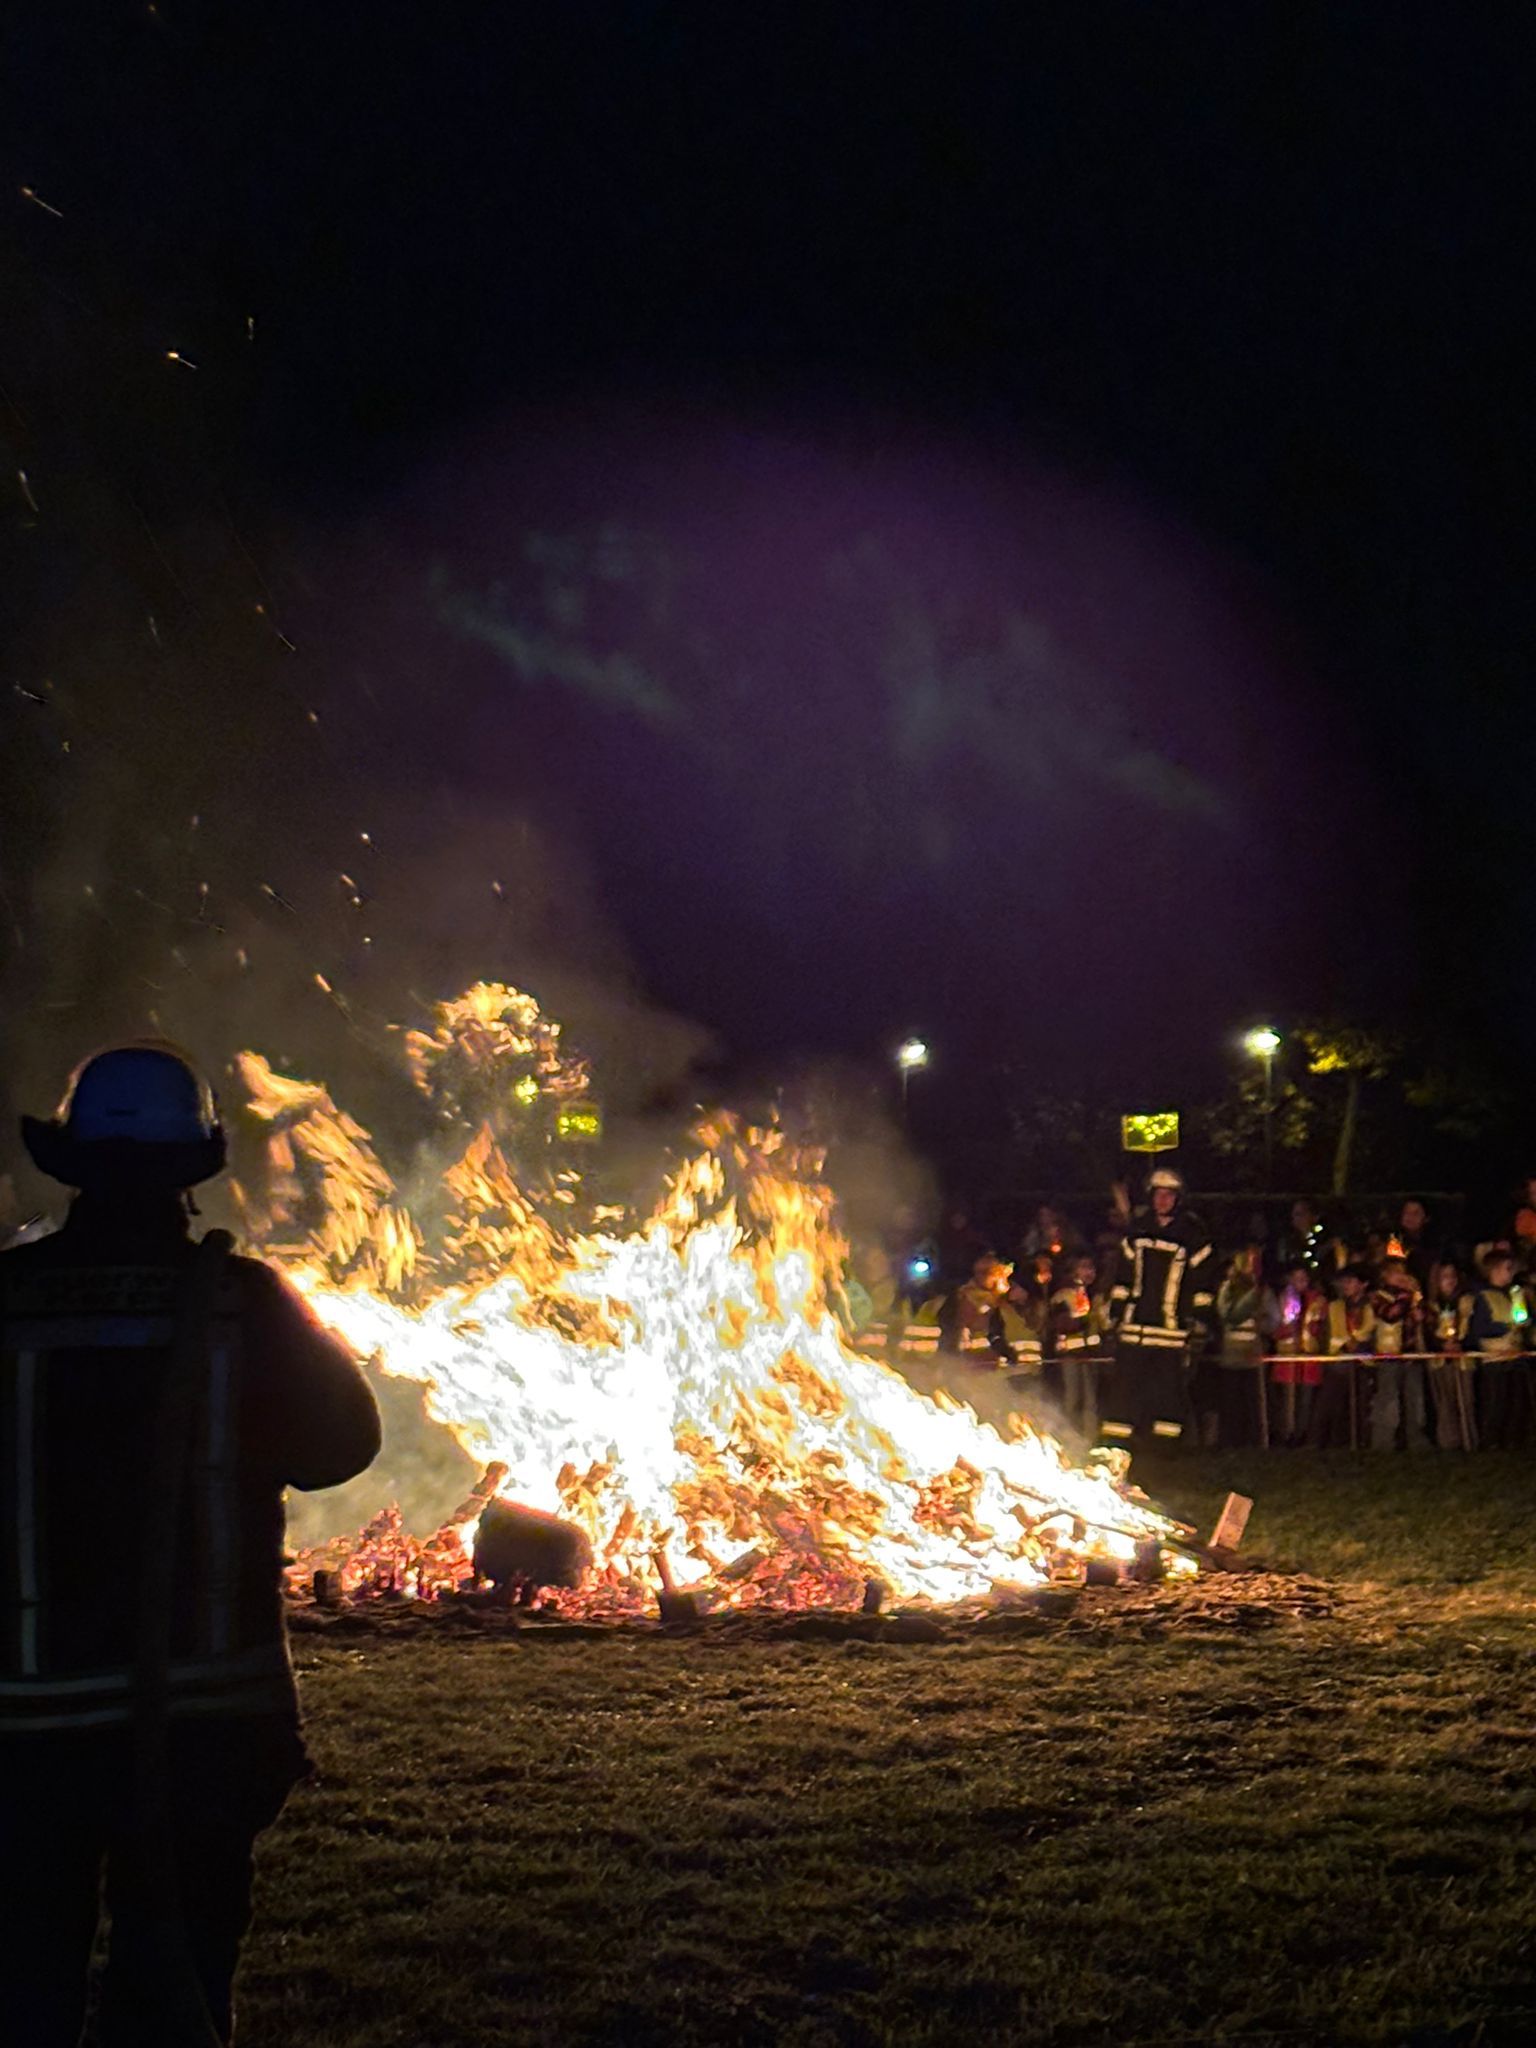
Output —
<point x="1165" y="1280"/>
<point x="85" y="1337"/>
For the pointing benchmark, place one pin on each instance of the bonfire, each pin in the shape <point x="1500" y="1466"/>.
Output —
<point x="682" y="1390"/>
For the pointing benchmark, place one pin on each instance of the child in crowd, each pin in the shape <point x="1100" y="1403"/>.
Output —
<point x="1452" y="1386"/>
<point x="1301" y="1335"/>
<point x="1024" y="1327"/>
<point x="970" y="1318"/>
<point x="1397" y="1383"/>
<point x="869" y="1299"/>
<point x="1247" y="1312"/>
<point x="1499" y="1331"/>
<point x="1079" y="1320"/>
<point x="1351" y="1335"/>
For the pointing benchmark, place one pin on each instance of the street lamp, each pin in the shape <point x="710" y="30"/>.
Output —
<point x="1264" y="1043"/>
<point x="911" y="1055"/>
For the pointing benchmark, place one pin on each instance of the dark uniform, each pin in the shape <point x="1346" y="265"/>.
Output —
<point x="1165" y="1284"/>
<point x="86" y="1331"/>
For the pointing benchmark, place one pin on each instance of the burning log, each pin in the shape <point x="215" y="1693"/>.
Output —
<point x="479" y="1496"/>
<point x="674" y="1607"/>
<point x="742" y="1567"/>
<point x="522" y="1550"/>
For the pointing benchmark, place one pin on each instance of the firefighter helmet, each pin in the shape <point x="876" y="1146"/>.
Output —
<point x="138" y="1116"/>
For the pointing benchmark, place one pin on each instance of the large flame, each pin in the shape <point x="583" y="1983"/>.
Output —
<point x="684" y="1390"/>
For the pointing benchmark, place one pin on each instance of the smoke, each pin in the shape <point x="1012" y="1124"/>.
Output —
<point x="847" y="1110"/>
<point x="324" y="965"/>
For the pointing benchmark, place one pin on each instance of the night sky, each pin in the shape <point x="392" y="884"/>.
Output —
<point x="812" y="521"/>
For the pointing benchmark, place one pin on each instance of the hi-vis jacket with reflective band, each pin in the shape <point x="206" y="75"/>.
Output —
<point x="1078" y="1320"/>
<point x="1351" y="1328"/>
<point x="1165" y="1282"/>
<point x="1499" y="1324"/>
<point x="84" y="1347"/>
<point x="1398" y="1312"/>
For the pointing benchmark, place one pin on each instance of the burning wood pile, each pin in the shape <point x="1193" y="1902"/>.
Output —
<point x="672" y="1411"/>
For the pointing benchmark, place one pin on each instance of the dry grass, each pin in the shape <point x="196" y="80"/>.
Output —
<point x="1318" y="1831"/>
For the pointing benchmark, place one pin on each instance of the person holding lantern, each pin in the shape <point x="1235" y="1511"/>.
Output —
<point x="1079" y="1320"/>
<point x="1300" y="1340"/>
<point x="970" y="1318"/>
<point x="1452" y="1383"/>
<point x="1397" y="1393"/>
<point x="1351" y="1343"/>
<point x="1247" y="1312"/>
<point x="1499" y="1332"/>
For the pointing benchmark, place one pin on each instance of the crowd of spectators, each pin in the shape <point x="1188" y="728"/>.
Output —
<point x="1372" y="1331"/>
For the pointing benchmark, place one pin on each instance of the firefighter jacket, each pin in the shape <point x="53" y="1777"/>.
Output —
<point x="913" y="1338"/>
<point x="1165" y="1283"/>
<point x="1023" y="1319"/>
<point x="86" y="1327"/>
<point x="889" y="1325"/>
<point x="969" y="1319"/>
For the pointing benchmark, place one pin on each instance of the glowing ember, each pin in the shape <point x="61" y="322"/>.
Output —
<point x="683" y="1392"/>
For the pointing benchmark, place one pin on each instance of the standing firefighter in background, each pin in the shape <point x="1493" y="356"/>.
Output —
<point x="157" y="1395"/>
<point x="1164" y="1287"/>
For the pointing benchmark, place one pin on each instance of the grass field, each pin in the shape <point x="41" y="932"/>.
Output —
<point x="1319" y="1830"/>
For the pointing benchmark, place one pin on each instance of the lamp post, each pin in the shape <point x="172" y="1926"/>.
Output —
<point x="911" y="1055"/>
<point x="1264" y="1043"/>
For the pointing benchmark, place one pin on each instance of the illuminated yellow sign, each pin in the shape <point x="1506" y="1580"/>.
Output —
<point x="1156" y="1132"/>
<point x="579" y="1126"/>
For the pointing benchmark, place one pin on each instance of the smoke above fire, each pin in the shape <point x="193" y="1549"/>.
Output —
<point x="679" y="1384"/>
<point x="787" y="710"/>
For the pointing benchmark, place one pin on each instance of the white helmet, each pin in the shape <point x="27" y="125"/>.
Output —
<point x="1166" y="1177"/>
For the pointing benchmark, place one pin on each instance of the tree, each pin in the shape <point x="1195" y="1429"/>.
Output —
<point x="1357" y="1055"/>
<point x="1233" y="1127"/>
<point x="1061" y="1140"/>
